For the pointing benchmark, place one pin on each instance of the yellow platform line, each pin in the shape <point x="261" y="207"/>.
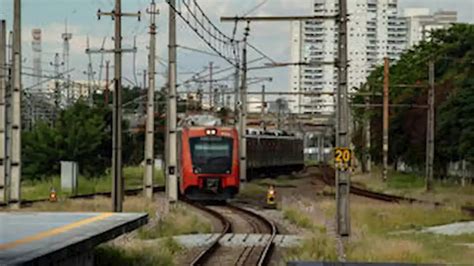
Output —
<point x="55" y="231"/>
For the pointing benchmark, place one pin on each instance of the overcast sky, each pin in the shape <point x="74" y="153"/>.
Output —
<point x="272" y="38"/>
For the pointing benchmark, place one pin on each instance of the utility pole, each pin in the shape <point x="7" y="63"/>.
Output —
<point x="430" y="128"/>
<point x="57" y="93"/>
<point x="15" y="184"/>
<point x="143" y="92"/>
<point x="106" y="91"/>
<point x="342" y="138"/>
<point x="117" y="179"/>
<point x="368" y="158"/>
<point x="3" y="87"/>
<point x="66" y="36"/>
<point x="386" y="82"/>
<point x="150" y="108"/>
<point x="243" y="111"/>
<point x="236" y="91"/>
<point x="262" y="109"/>
<point x="171" y="173"/>
<point x="211" y="101"/>
<point x="8" y="116"/>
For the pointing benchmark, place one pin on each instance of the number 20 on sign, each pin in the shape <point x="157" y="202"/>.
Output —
<point x="343" y="158"/>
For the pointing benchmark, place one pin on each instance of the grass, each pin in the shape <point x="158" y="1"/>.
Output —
<point x="379" y="234"/>
<point x="40" y="189"/>
<point x="281" y="181"/>
<point x="179" y="221"/>
<point x="138" y="253"/>
<point x="98" y="204"/>
<point x="252" y="191"/>
<point x="317" y="245"/>
<point x="298" y="218"/>
<point x="412" y="185"/>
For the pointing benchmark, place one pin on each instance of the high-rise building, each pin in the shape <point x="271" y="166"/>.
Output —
<point x="420" y="22"/>
<point x="375" y="30"/>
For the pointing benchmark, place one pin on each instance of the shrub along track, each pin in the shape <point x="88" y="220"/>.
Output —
<point x="234" y="220"/>
<point x="328" y="177"/>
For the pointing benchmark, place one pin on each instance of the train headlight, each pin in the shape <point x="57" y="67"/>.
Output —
<point x="211" y="132"/>
<point x="196" y="170"/>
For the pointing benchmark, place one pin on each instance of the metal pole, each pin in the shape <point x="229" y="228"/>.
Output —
<point x="368" y="158"/>
<point x="171" y="174"/>
<point x="3" y="86"/>
<point x="262" y="109"/>
<point x="57" y="93"/>
<point x="15" y="195"/>
<point x="117" y="183"/>
<point x="89" y="84"/>
<point x="342" y="175"/>
<point x="150" y="111"/>
<point x="106" y="91"/>
<point x="211" y="102"/>
<point x="236" y="89"/>
<point x="385" y="117"/>
<point x="430" y="128"/>
<point x="243" y="111"/>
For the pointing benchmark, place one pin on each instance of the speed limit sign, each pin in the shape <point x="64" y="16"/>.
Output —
<point x="343" y="158"/>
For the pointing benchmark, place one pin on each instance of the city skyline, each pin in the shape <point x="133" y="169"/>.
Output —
<point x="82" y="23"/>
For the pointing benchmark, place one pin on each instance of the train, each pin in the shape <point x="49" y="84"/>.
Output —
<point x="208" y="161"/>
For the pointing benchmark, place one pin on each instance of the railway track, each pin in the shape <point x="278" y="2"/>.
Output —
<point x="328" y="177"/>
<point x="237" y="220"/>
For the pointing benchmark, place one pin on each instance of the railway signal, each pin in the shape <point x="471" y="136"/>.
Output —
<point x="271" y="197"/>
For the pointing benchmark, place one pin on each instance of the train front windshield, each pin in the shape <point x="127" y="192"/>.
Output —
<point x="211" y="155"/>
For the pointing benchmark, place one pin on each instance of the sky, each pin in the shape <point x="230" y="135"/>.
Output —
<point x="271" y="38"/>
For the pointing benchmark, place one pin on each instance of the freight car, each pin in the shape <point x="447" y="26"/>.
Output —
<point x="270" y="153"/>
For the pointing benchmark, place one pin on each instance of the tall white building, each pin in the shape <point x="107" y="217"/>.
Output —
<point x="375" y="31"/>
<point x="420" y="22"/>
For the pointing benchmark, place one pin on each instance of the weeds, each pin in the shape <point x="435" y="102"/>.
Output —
<point x="298" y="218"/>
<point x="138" y="253"/>
<point x="178" y="222"/>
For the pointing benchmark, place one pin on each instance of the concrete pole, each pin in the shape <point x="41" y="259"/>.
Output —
<point x="3" y="87"/>
<point x="243" y="111"/>
<point x="385" y="117"/>
<point x="343" y="140"/>
<point x="368" y="158"/>
<point x="171" y="173"/>
<point x="15" y="196"/>
<point x="117" y="179"/>
<point x="430" y="128"/>
<point x="150" y="110"/>
<point x="8" y="115"/>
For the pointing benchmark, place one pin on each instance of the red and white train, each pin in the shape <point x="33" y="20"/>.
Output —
<point x="208" y="162"/>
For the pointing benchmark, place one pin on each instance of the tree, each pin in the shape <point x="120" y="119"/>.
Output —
<point x="453" y="52"/>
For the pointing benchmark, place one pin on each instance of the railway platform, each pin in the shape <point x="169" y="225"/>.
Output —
<point x="60" y="238"/>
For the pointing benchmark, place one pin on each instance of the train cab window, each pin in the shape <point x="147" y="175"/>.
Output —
<point x="211" y="154"/>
